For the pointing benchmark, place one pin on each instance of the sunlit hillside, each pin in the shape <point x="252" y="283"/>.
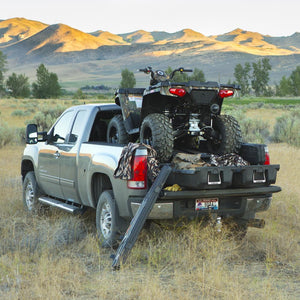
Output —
<point x="139" y="37"/>
<point x="17" y="29"/>
<point x="68" y="39"/>
<point x="108" y="38"/>
<point x="101" y="55"/>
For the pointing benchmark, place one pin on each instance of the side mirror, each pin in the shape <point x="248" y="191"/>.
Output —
<point x="31" y="134"/>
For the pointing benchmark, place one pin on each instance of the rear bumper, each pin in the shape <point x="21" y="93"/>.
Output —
<point x="242" y="203"/>
<point x="193" y="194"/>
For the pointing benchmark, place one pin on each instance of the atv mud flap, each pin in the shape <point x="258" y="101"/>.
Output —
<point x="140" y="217"/>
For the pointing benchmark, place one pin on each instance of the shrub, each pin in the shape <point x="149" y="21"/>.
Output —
<point x="287" y="128"/>
<point x="45" y="118"/>
<point x="20" y="135"/>
<point x="6" y="134"/>
<point x="253" y="130"/>
<point x="79" y="95"/>
<point x="20" y="113"/>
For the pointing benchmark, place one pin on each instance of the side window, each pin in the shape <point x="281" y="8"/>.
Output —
<point x="98" y="132"/>
<point x="78" y="127"/>
<point x="62" y="127"/>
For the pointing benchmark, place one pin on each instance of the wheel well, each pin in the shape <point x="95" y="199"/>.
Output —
<point x="100" y="182"/>
<point x="153" y="104"/>
<point x="26" y="167"/>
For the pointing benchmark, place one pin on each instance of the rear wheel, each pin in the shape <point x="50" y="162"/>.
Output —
<point x="116" y="132"/>
<point x="157" y="131"/>
<point x="108" y="222"/>
<point x="229" y="137"/>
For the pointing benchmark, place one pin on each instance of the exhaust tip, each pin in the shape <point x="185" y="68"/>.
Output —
<point x="257" y="223"/>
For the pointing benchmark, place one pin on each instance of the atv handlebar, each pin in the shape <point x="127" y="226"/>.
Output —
<point x="181" y="70"/>
<point x="148" y="70"/>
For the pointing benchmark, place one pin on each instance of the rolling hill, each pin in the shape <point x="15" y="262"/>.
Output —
<point x="99" y="57"/>
<point x="17" y="29"/>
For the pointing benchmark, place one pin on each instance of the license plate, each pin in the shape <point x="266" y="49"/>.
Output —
<point x="207" y="204"/>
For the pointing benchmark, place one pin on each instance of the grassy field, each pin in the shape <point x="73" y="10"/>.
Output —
<point x="57" y="256"/>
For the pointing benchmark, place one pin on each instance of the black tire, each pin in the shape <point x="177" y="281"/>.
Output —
<point x="157" y="131"/>
<point x="107" y="220"/>
<point x="230" y="136"/>
<point x="116" y="132"/>
<point x="31" y="193"/>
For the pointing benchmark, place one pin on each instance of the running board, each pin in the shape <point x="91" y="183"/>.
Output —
<point x="62" y="205"/>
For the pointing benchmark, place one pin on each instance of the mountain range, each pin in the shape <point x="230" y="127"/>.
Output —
<point x="98" y="57"/>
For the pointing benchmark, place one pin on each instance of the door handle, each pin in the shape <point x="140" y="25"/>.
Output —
<point x="56" y="154"/>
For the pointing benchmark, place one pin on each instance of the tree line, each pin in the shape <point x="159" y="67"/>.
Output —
<point x="256" y="77"/>
<point x="253" y="78"/>
<point x="18" y="86"/>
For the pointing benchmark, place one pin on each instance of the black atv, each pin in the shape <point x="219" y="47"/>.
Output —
<point x="170" y="115"/>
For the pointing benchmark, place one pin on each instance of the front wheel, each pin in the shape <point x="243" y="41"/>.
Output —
<point x="157" y="131"/>
<point x="31" y="193"/>
<point x="228" y="137"/>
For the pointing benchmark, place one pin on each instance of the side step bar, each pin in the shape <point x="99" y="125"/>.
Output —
<point x="62" y="205"/>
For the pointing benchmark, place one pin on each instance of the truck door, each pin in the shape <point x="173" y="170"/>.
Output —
<point x="50" y="154"/>
<point x="69" y="157"/>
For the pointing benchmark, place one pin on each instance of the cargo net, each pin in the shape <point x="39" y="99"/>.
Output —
<point x="192" y="161"/>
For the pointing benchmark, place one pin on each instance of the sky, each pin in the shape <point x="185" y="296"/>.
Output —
<point x="209" y="17"/>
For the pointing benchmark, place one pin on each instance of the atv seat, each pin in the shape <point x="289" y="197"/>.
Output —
<point x="133" y="91"/>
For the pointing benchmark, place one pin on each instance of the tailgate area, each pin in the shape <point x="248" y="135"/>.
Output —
<point x="224" y="177"/>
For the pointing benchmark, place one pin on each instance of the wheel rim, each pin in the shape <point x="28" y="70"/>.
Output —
<point x="106" y="220"/>
<point x="148" y="139"/>
<point x="29" y="195"/>
<point x="215" y="142"/>
<point x="113" y="135"/>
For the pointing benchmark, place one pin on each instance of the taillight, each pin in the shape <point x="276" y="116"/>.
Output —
<point x="139" y="170"/>
<point x="225" y="93"/>
<point x="177" y="91"/>
<point x="267" y="156"/>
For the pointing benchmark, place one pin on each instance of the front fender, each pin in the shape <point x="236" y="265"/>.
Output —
<point x="30" y="157"/>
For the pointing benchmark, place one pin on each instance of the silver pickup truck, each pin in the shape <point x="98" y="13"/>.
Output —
<point x="72" y="167"/>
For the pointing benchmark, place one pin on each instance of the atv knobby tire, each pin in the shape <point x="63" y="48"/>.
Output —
<point x="230" y="137"/>
<point x="116" y="132"/>
<point x="157" y="131"/>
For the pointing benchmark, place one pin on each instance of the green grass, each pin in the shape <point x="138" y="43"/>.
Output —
<point x="251" y="100"/>
<point x="16" y="113"/>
